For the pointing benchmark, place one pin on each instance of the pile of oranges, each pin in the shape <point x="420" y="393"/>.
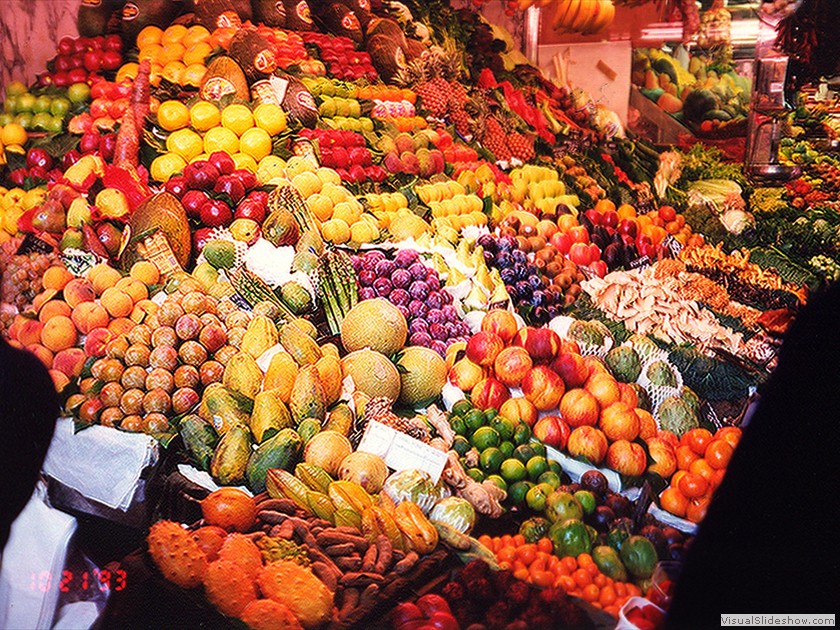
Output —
<point x="536" y="564"/>
<point x="702" y="458"/>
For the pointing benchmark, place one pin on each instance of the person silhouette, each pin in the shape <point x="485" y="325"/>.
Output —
<point x="766" y="544"/>
<point x="29" y="408"/>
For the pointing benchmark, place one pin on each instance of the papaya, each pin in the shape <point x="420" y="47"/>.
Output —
<point x="609" y="562"/>
<point x="299" y="344"/>
<point x="280" y="375"/>
<point x="280" y="451"/>
<point x="308" y="429"/>
<point x="651" y="80"/>
<point x="269" y="413"/>
<point x="340" y="419"/>
<point x="260" y="335"/>
<point x="230" y="459"/>
<point x="670" y="103"/>
<point x="221" y="409"/>
<point x="329" y="373"/>
<point x="243" y="375"/>
<point x="200" y="439"/>
<point x="307" y="399"/>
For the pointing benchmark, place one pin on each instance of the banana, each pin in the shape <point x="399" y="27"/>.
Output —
<point x="586" y="28"/>
<point x="606" y="15"/>
<point x="584" y="15"/>
<point x="559" y="13"/>
<point x="524" y="4"/>
<point x="564" y="21"/>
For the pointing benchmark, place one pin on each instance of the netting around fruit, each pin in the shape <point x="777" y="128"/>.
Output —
<point x="224" y="234"/>
<point x="658" y="393"/>
<point x="561" y="324"/>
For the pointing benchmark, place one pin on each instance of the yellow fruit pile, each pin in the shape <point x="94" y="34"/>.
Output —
<point x="13" y="203"/>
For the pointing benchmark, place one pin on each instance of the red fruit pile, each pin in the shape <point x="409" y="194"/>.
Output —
<point x="81" y="59"/>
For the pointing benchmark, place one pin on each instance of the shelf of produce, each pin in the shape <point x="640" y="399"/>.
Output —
<point x="667" y="130"/>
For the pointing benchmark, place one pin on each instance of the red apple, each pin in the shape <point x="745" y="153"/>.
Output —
<point x="201" y="175"/>
<point x="230" y="185"/>
<point x="627" y="458"/>
<point x="593" y="215"/>
<point x="483" y="347"/>
<point x="200" y="238"/>
<point x="489" y="393"/>
<point x="248" y="179"/>
<point x="176" y="185"/>
<point x="594" y="252"/>
<point x="192" y="202"/>
<point x="215" y="213"/>
<point x="610" y="219"/>
<point x="599" y="267"/>
<point x="250" y="209"/>
<point x="628" y="226"/>
<point x="579" y="234"/>
<point x="222" y="161"/>
<point x="587" y="442"/>
<point x="580" y="254"/>
<point x="552" y="431"/>
<point x="579" y="408"/>
<point x="543" y="387"/>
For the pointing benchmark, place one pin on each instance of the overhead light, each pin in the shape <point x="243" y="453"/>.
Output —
<point x="742" y="32"/>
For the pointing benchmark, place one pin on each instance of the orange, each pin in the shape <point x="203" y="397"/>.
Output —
<point x="696" y="510"/>
<point x="173" y="71"/>
<point x="196" y="53"/>
<point x="698" y="440"/>
<point x="152" y="52"/>
<point x="173" y="115"/>
<point x="685" y="456"/>
<point x="701" y="467"/>
<point x="693" y="486"/>
<point x="171" y="52"/>
<point x="238" y="118"/>
<point x="194" y="35"/>
<point x="730" y="434"/>
<point x="604" y="205"/>
<point x="673" y="501"/>
<point x="174" y="33"/>
<point x="149" y="35"/>
<point x="193" y="75"/>
<point x="719" y="453"/>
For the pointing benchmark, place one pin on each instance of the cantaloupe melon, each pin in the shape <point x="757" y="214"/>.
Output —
<point x="422" y="376"/>
<point x="376" y="324"/>
<point x="372" y="373"/>
<point x="670" y="103"/>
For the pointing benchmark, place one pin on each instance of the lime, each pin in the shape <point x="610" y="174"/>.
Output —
<point x="536" y="466"/>
<point x="490" y="459"/>
<point x="523" y="453"/>
<point x="485" y="437"/>
<point x="6" y="118"/>
<point x="489" y="414"/>
<point x="16" y="88"/>
<point x="586" y="500"/>
<point x="474" y="419"/>
<point x="461" y="407"/>
<point x="476" y="473"/>
<point x="42" y="104"/>
<point x="507" y="448"/>
<point x="41" y="120"/>
<point x="518" y="490"/>
<point x="551" y="478"/>
<point x="460" y="445"/>
<point x="505" y="427"/>
<point x="24" y="119"/>
<point x="535" y="498"/>
<point x="539" y="448"/>
<point x="60" y="106"/>
<point x="522" y="433"/>
<point x="54" y="125"/>
<point x="458" y="425"/>
<point x="26" y="102"/>
<point x="555" y="467"/>
<point x="498" y="481"/>
<point x="513" y="470"/>
<point x="10" y="105"/>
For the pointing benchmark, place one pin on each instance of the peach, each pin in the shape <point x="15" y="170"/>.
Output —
<point x="664" y="457"/>
<point x="620" y="422"/>
<point x="59" y="333"/>
<point x="89" y="315"/>
<point x="59" y="379"/>
<point x="56" y="278"/>
<point x="103" y="277"/>
<point x="16" y="344"/>
<point x="143" y="310"/>
<point x="579" y="408"/>
<point x="587" y="442"/>
<point x="42" y="298"/>
<point x="30" y="331"/>
<point x="121" y="326"/>
<point x="464" y="374"/>
<point x="135" y="289"/>
<point x="145" y="271"/>
<point x="519" y="408"/>
<point x="17" y="326"/>
<point x="502" y="322"/>
<point x="647" y="424"/>
<point x="53" y="308"/>
<point x="543" y="344"/>
<point x="627" y="458"/>
<point x="668" y="437"/>
<point x="483" y="347"/>
<point x="454" y="352"/>
<point x="628" y="395"/>
<point x="70" y="361"/>
<point x="489" y="393"/>
<point x="572" y="368"/>
<point x="117" y="347"/>
<point x="552" y="431"/>
<point x="117" y="302"/>
<point x="212" y="337"/>
<point x="543" y="387"/>
<point x="43" y="354"/>
<point x="78" y="290"/>
<point x="596" y="366"/>
<point x="97" y="340"/>
<point x="604" y="388"/>
<point x="512" y="364"/>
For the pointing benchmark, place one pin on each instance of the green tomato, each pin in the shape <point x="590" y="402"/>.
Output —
<point x="60" y="106"/>
<point x="78" y="92"/>
<point x="42" y="104"/>
<point x="26" y="102"/>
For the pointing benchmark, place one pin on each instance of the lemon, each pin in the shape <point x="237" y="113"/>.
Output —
<point x="13" y="133"/>
<point x="328" y="175"/>
<point x="335" y="192"/>
<point x="255" y="142"/>
<point x="221" y="139"/>
<point x="307" y="184"/>
<point x="270" y="117"/>
<point x="186" y="143"/>
<point x="299" y="164"/>
<point x="269" y="167"/>
<point x="149" y="35"/>
<point x="336" y="231"/>
<point x="34" y="197"/>
<point x="238" y="118"/>
<point x="173" y="115"/>
<point x="243" y="160"/>
<point x="165" y="166"/>
<point x="204" y="115"/>
<point x="321" y="206"/>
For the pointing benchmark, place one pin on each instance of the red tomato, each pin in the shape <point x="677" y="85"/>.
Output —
<point x="404" y="613"/>
<point x="431" y="603"/>
<point x="443" y="621"/>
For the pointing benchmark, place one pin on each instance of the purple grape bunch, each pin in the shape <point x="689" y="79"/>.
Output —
<point x="416" y="291"/>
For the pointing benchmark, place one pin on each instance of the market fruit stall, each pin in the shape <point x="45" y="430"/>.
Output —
<point x="421" y="337"/>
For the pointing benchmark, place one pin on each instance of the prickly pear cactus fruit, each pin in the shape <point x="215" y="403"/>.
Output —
<point x="229" y="588"/>
<point x="177" y="554"/>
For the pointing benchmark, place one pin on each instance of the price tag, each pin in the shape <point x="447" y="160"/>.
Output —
<point x="640" y="263"/>
<point x="401" y="451"/>
<point x="673" y="245"/>
<point x="32" y="243"/>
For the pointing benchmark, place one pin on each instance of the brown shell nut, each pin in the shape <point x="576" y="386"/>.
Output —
<point x="176" y="554"/>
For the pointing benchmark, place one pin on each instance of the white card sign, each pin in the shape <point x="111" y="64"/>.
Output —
<point x="401" y="451"/>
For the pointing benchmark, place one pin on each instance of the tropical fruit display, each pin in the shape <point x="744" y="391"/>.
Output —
<point x="413" y="315"/>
